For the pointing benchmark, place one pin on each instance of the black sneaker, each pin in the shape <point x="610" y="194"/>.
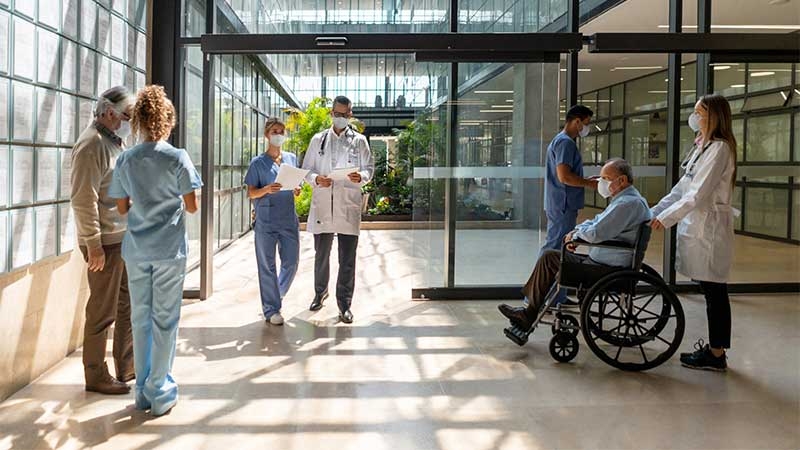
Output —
<point x="705" y="360"/>
<point x="699" y="347"/>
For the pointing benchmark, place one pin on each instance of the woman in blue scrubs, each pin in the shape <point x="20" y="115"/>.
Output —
<point x="276" y="221"/>
<point x="154" y="184"/>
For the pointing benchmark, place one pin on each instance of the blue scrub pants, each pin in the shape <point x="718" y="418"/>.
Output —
<point x="559" y="223"/>
<point x="274" y="286"/>
<point x="156" y="290"/>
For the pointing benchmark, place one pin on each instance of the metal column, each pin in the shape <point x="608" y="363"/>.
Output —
<point x="673" y="133"/>
<point x="452" y="157"/>
<point x="207" y="198"/>
<point x="705" y="80"/>
<point x="573" y="23"/>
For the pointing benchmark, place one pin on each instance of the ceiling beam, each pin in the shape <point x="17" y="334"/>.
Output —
<point x="767" y="44"/>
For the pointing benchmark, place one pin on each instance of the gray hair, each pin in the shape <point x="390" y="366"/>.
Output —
<point x="342" y="100"/>
<point x="622" y="167"/>
<point x="117" y="98"/>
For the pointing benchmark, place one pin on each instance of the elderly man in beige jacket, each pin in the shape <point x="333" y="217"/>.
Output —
<point x="100" y="231"/>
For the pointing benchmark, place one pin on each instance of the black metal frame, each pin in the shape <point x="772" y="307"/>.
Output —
<point x="506" y="47"/>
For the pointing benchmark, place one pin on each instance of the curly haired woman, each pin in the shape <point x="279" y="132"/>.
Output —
<point x="154" y="183"/>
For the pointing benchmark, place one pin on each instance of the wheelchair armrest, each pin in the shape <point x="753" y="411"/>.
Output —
<point x="605" y="244"/>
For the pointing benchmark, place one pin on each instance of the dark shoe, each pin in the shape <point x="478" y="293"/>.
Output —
<point x="705" y="360"/>
<point x="316" y="304"/>
<point x="109" y="386"/>
<point x="517" y="315"/>
<point x="699" y="347"/>
<point x="346" y="317"/>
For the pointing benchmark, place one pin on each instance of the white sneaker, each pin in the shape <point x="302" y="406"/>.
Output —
<point x="276" y="319"/>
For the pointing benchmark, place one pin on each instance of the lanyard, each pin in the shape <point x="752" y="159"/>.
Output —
<point x="689" y="163"/>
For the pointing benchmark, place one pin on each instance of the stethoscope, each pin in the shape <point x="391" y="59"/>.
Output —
<point x="348" y="133"/>
<point x="690" y="162"/>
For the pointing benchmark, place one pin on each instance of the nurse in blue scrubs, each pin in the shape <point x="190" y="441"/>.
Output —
<point x="154" y="183"/>
<point x="277" y="227"/>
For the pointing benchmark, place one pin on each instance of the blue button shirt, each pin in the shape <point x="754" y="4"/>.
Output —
<point x="273" y="211"/>
<point x="618" y="222"/>
<point x="557" y="195"/>
<point x="155" y="175"/>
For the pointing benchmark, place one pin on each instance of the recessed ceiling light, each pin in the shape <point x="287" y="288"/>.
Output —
<point x="494" y="92"/>
<point x="636" y="68"/>
<point x="510" y="101"/>
<point x="667" y="79"/>
<point x="737" y="86"/>
<point x="761" y="74"/>
<point x="495" y="111"/>
<point x="784" y="96"/>
<point x="722" y="67"/>
<point x="579" y="70"/>
<point x="502" y="106"/>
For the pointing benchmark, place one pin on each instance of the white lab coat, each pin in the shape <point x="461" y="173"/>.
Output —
<point x="701" y="206"/>
<point x="337" y="209"/>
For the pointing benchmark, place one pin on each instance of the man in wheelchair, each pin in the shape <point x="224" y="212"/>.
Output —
<point x="620" y="222"/>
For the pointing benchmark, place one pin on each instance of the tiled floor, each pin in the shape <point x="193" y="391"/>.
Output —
<point x="418" y="375"/>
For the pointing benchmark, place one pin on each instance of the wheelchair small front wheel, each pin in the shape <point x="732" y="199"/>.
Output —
<point x="563" y="347"/>
<point x="567" y="324"/>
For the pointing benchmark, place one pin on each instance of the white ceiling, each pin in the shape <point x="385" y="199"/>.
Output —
<point x="647" y="15"/>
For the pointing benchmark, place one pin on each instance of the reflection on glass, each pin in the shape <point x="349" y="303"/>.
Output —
<point x="729" y="78"/>
<point x="21" y="237"/>
<point x="46" y="227"/>
<point x="46" y="174"/>
<point x="23" y="111"/>
<point x="761" y="76"/>
<point x="768" y="138"/>
<point x="4" y="41"/>
<point x="766" y="211"/>
<point x="795" y="211"/>
<point x="646" y="93"/>
<point x="24" y="48"/>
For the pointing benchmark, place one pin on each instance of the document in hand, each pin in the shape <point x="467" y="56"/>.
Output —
<point x="341" y="174"/>
<point x="290" y="177"/>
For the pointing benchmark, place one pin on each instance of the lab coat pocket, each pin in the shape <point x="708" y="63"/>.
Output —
<point x="263" y="211"/>
<point x="693" y="225"/>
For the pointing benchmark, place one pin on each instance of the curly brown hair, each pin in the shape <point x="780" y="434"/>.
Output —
<point x="154" y="114"/>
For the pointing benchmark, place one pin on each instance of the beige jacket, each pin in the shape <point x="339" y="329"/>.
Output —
<point x="96" y="218"/>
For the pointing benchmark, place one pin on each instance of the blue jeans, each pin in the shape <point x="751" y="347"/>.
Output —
<point x="156" y="290"/>
<point x="274" y="285"/>
<point x="559" y="223"/>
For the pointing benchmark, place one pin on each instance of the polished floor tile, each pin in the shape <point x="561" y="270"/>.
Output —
<point x="418" y="375"/>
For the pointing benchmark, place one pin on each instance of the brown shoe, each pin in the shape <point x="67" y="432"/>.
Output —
<point x="129" y="376"/>
<point x="109" y="386"/>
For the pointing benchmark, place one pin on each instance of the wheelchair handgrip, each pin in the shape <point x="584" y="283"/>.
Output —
<point x="605" y="244"/>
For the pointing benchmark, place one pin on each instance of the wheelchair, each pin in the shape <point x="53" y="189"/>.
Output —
<point x="629" y="317"/>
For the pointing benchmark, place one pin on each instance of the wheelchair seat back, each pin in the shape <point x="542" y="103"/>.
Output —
<point x="583" y="276"/>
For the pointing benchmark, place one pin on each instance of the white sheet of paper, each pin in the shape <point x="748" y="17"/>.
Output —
<point x="290" y="177"/>
<point x="341" y="174"/>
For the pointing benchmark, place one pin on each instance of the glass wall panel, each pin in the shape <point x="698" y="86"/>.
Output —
<point x="766" y="211"/>
<point x="768" y="138"/>
<point x="646" y="93"/>
<point x="762" y="76"/>
<point x="45" y="57"/>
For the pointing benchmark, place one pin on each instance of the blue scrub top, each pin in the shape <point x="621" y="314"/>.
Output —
<point x="155" y="175"/>
<point x="274" y="211"/>
<point x="557" y="195"/>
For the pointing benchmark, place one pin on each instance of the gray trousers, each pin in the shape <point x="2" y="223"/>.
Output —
<point x="346" y="280"/>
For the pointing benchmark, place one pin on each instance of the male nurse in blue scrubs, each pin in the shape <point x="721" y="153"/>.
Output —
<point x="564" y="180"/>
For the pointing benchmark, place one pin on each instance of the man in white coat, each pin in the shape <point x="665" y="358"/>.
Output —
<point x="336" y="203"/>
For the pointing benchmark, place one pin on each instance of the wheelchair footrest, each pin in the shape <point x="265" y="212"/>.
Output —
<point x="516" y="335"/>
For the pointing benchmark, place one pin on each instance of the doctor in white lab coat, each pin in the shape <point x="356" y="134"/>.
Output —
<point x="700" y="204"/>
<point x="336" y="204"/>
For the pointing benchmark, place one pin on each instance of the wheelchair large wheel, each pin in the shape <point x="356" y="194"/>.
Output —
<point x="632" y="320"/>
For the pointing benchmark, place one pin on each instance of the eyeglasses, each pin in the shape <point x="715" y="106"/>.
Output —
<point x="338" y="114"/>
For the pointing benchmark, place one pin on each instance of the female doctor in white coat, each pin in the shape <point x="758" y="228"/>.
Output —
<point x="336" y="203"/>
<point x="700" y="204"/>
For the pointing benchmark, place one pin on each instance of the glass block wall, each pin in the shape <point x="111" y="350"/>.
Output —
<point x="56" y="56"/>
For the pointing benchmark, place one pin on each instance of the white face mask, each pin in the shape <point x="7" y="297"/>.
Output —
<point x="340" y="123"/>
<point x="584" y="131"/>
<point x="277" y="140"/>
<point x="694" y="122"/>
<point x="124" y="130"/>
<point x="604" y="187"/>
